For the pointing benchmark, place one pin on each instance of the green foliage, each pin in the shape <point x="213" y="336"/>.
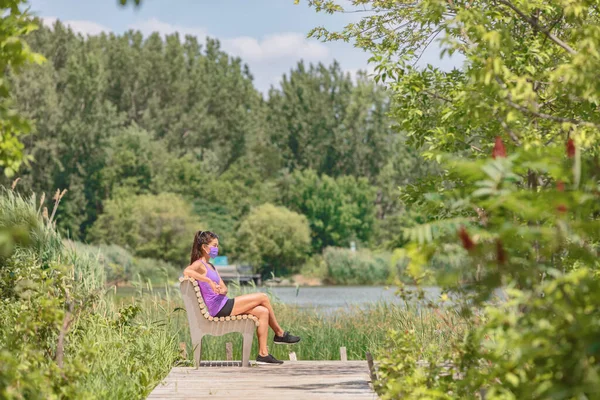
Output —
<point x="346" y="267"/>
<point x="274" y="239"/>
<point x="319" y="117"/>
<point x="121" y="267"/>
<point x="338" y="210"/>
<point x="151" y="226"/>
<point x="59" y="337"/>
<point x="14" y="53"/>
<point x="529" y="221"/>
<point x="116" y="114"/>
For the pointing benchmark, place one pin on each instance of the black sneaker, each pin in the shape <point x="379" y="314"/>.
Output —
<point x="286" y="339"/>
<point x="268" y="359"/>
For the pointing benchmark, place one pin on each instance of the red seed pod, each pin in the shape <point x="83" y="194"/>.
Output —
<point x="466" y="239"/>
<point x="570" y="148"/>
<point x="500" y="253"/>
<point x="560" y="186"/>
<point x="499" y="149"/>
<point x="562" y="208"/>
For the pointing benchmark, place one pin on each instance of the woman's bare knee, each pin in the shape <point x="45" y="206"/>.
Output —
<point x="265" y="299"/>
<point x="260" y="311"/>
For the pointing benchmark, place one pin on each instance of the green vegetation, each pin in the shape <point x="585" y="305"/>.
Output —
<point x="345" y="267"/>
<point x="155" y="137"/>
<point x="152" y="226"/>
<point x="122" y="268"/>
<point x="274" y="238"/>
<point x="60" y="336"/>
<point x="497" y="166"/>
<point x="516" y="134"/>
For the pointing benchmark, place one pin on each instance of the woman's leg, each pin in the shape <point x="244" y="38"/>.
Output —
<point x="246" y="302"/>
<point x="263" y="328"/>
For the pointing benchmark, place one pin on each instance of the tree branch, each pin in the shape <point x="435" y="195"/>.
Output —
<point x="537" y="26"/>
<point x="548" y="116"/>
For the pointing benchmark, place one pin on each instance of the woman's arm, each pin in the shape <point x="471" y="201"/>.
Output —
<point x="222" y="286"/>
<point x="198" y="272"/>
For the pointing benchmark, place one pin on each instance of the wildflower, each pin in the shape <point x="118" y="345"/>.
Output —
<point x="466" y="239"/>
<point x="562" y="208"/>
<point x="570" y="148"/>
<point x="499" y="149"/>
<point x="560" y="186"/>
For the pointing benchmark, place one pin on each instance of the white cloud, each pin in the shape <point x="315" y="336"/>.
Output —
<point x="276" y="46"/>
<point x="155" y="25"/>
<point x="78" y="26"/>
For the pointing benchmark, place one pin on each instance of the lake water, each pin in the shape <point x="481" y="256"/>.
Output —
<point x="323" y="298"/>
<point x="327" y="298"/>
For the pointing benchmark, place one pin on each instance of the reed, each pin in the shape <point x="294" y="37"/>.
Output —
<point x="360" y="329"/>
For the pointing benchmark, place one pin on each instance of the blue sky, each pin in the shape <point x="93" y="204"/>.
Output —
<point x="269" y="35"/>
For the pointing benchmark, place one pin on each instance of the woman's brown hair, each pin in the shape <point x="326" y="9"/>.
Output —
<point x="201" y="237"/>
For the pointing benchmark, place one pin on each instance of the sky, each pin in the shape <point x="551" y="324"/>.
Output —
<point x="269" y="35"/>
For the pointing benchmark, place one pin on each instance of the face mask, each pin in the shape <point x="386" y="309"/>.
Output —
<point x="213" y="252"/>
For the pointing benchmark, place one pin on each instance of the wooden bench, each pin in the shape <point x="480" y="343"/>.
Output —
<point x="202" y="324"/>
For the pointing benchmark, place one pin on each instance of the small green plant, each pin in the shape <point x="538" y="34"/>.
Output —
<point x="362" y="267"/>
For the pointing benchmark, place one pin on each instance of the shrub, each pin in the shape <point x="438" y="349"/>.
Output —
<point x="121" y="266"/>
<point x="153" y="226"/>
<point x="345" y="267"/>
<point x="339" y="210"/>
<point x="59" y="338"/>
<point x="273" y="239"/>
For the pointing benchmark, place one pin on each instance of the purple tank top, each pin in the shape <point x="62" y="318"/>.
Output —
<point x="214" y="301"/>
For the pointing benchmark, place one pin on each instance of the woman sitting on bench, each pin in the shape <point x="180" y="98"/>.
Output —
<point x="214" y="293"/>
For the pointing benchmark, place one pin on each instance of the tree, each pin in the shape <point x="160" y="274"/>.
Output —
<point x="338" y="210"/>
<point x="14" y="53"/>
<point x="527" y="218"/>
<point x="273" y="239"/>
<point x="321" y="120"/>
<point x="153" y="226"/>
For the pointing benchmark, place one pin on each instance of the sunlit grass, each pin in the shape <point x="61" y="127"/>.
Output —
<point x="360" y="329"/>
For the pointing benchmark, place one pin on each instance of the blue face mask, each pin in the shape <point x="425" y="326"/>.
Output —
<point x="213" y="252"/>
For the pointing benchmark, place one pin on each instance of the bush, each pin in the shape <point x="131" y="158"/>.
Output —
<point x="339" y="210"/>
<point x="59" y="338"/>
<point x="152" y="226"/>
<point x="273" y="239"/>
<point x="121" y="266"/>
<point x="345" y="267"/>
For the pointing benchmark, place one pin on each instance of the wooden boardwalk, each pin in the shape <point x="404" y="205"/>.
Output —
<point x="292" y="380"/>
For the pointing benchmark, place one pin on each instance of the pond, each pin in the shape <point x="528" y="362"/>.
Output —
<point x="323" y="298"/>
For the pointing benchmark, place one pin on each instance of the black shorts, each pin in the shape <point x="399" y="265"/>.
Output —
<point x="227" y="309"/>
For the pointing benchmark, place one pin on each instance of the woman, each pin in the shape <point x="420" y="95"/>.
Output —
<point x="214" y="293"/>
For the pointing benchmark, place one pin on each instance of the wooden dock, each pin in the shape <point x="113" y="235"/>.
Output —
<point x="292" y="380"/>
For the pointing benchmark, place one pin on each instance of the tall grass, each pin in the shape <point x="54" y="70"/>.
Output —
<point x="360" y="329"/>
<point x="60" y="335"/>
<point x="63" y="334"/>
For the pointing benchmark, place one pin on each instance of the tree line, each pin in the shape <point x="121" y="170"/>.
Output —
<point x="155" y="137"/>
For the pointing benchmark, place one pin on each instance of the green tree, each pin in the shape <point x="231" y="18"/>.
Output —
<point x="528" y="222"/>
<point x="14" y="53"/>
<point x="338" y="210"/>
<point x="153" y="226"/>
<point x="273" y="239"/>
<point x="132" y="159"/>
<point x="321" y="120"/>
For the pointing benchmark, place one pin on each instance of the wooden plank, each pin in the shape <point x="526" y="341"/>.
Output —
<point x="292" y="380"/>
